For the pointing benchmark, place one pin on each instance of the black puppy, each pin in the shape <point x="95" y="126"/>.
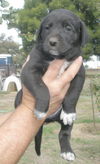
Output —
<point x="61" y="35"/>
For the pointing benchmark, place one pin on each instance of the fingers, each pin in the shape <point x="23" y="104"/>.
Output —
<point x="64" y="91"/>
<point x="53" y="70"/>
<point x="71" y="72"/>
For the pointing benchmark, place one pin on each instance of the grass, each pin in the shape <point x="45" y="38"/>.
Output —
<point x="93" y="73"/>
<point x="89" y="121"/>
<point x="86" y="147"/>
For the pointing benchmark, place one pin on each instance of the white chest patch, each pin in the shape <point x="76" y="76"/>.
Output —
<point x="67" y="118"/>
<point x="64" y="67"/>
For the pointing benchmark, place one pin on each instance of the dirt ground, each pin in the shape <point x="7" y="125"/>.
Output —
<point x="85" y="136"/>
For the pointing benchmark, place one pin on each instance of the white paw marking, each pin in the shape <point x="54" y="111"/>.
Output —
<point x="63" y="68"/>
<point x="67" y="118"/>
<point x="68" y="156"/>
<point x="39" y="115"/>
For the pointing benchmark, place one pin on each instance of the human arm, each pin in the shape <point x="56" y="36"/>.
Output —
<point x="21" y="126"/>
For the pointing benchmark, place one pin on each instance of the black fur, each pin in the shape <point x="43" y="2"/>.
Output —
<point x="61" y="35"/>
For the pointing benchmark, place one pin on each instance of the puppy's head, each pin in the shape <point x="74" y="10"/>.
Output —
<point x="61" y="35"/>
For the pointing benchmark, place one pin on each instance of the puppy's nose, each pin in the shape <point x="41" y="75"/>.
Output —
<point x="53" y="41"/>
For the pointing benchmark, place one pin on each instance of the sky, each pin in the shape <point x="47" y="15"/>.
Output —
<point x="16" y="3"/>
<point x="3" y="27"/>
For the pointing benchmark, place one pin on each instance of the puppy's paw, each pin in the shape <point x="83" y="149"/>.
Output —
<point x="68" y="156"/>
<point x="39" y="115"/>
<point x="68" y="119"/>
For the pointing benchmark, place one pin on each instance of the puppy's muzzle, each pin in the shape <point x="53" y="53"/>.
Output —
<point x="53" y="42"/>
<point x="53" y="45"/>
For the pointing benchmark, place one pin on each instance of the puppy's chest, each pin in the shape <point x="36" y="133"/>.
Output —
<point x="65" y="65"/>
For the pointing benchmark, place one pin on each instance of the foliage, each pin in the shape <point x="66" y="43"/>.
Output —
<point x="8" y="46"/>
<point x="29" y="21"/>
<point x="66" y="4"/>
<point x="3" y="5"/>
<point x="19" y="58"/>
<point x="90" y="12"/>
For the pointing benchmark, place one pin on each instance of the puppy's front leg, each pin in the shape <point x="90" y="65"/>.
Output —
<point x="32" y="79"/>
<point x="68" y="114"/>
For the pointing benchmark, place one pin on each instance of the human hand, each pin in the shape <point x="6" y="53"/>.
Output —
<point x="58" y="86"/>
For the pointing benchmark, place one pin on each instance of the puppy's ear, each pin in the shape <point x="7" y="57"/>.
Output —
<point x="39" y="32"/>
<point x="83" y="34"/>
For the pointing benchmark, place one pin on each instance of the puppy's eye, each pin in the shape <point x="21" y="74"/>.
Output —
<point x="67" y="27"/>
<point x="47" y="27"/>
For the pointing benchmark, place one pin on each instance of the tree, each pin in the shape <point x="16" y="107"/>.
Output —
<point x="3" y="5"/>
<point x="27" y="20"/>
<point x="8" y="46"/>
<point x="90" y="12"/>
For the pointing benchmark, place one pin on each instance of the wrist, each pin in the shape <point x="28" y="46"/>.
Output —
<point x="30" y="118"/>
<point x="28" y="109"/>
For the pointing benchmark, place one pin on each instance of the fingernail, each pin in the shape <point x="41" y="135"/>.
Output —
<point x="80" y="58"/>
